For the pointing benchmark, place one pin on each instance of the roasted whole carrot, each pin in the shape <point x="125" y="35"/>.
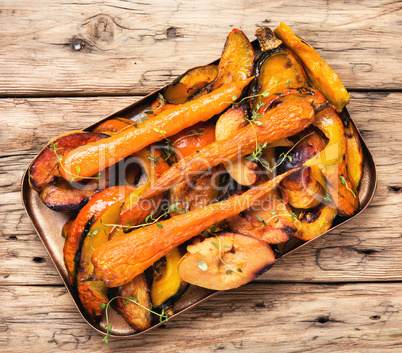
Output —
<point x="89" y="213"/>
<point x="93" y="157"/>
<point x="286" y="120"/>
<point x="120" y="260"/>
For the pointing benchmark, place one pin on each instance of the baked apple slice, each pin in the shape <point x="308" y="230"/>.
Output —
<point x="226" y="261"/>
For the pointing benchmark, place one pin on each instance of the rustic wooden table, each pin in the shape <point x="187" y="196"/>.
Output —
<point x="66" y="64"/>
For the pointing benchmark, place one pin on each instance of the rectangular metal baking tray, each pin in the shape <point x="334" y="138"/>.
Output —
<point x="48" y="225"/>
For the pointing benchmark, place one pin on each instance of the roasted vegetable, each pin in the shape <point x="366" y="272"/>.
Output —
<point x="302" y="189"/>
<point x="237" y="60"/>
<point x="134" y="311"/>
<point x="228" y="124"/>
<point x="88" y="214"/>
<point x="269" y="220"/>
<point x="93" y="293"/>
<point x="275" y="71"/>
<point x="226" y="261"/>
<point x="193" y="138"/>
<point x="44" y="167"/>
<point x="319" y="73"/>
<point x="313" y="224"/>
<point x="66" y="228"/>
<point x="330" y="163"/>
<point x="114" y="125"/>
<point x="166" y="284"/>
<point x="354" y="153"/>
<point x="283" y="121"/>
<point x="123" y="258"/>
<point x="135" y="210"/>
<point x="92" y="158"/>
<point x="61" y="196"/>
<point x="197" y="192"/>
<point x="190" y="83"/>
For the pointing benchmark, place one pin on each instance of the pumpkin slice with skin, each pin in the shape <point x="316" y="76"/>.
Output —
<point x="167" y="283"/>
<point x="318" y="71"/>
<point x="226" y="261"/>
<point x="93" y="293"/>
<point x="89" y="214"/>
<point x="44" y="167"/>
<point x="354" y="153"/>
<point x="190" y="83"/>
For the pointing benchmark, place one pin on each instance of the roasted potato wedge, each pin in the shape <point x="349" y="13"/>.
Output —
<point x="226" y="261"/>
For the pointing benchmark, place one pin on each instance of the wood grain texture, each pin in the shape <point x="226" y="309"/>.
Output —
<point x="366" y="249"/>
<point x="128" y="47"/>
<point x="256" y="318"/>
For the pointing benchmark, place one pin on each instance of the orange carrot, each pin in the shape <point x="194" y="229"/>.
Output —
<point x="88" y="160"/>
<point x="121" y="259"/>
<point x="286" y="120"/>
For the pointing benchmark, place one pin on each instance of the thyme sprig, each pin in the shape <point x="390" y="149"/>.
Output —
<point x="276" y="217"/>
<point x="54" y="148"/>
<point x="256" y="156"/>
<point x="343" y="181"/>
<point x="162" y="316"/>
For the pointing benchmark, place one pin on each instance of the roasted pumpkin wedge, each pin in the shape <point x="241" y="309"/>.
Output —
<point x="226" y="261"/>
<point x="228" y="124"/>
<point x="44" y="167"/>
<point x="61" y="196"/>
<point x="89" y="214"/>
<point x="354" y="153"/>
<point x="190" y="83"/>
<point x="167" y="283"/>
<point x="133" y="303"/>
<point x="275" y="71"/>
<point x="315" y="223"/>
<point x="93" y="293"/>
<point x="114" y="125"/>
<point x="330" y="163"/>
<point x="302" y="189"/>
<point x="66" y="228"/>
<point x="318" y="71"/>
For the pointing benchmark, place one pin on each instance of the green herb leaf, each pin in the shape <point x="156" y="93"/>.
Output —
<point x="202" y="265"/>
<point x="228" y="272"/>
<point x="102" y="305"/>
<point x="159" y="225"/>
<point x="215" y="244"/>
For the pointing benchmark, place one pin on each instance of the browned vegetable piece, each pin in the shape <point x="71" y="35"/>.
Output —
<point x="93" y="293"/>
<point x="135" y="210"/>
<point x="354" y="153"/>
<point x="316" y="223"/>
<point x="237" y="60"/>
<point x="226" y="261"/>
<point x="136" y="316"/>
<point x="228" y="124"/>
<point x="302" y="189"/>
<point x="280" y="122"/>
<point x="190" y="83"/>
<point x="62" y="196"/>
<point x="114" y="125"/>
<point x="275" y="71"/>
<point x="267" y="39"/>
<point x="124" y="257"/>
<point x="167" y="283"/>
<point x="66" y="228"/>
<point x="197" y="192"/>
<point x="269" y="220"/>
<point x="44" y="167"/>
<point x="318" y="71"/>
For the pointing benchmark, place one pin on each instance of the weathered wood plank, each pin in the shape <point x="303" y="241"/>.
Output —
<point x="255" y="318"/>
<point x="367" y="249"/>
<point x="128" y="47"/>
